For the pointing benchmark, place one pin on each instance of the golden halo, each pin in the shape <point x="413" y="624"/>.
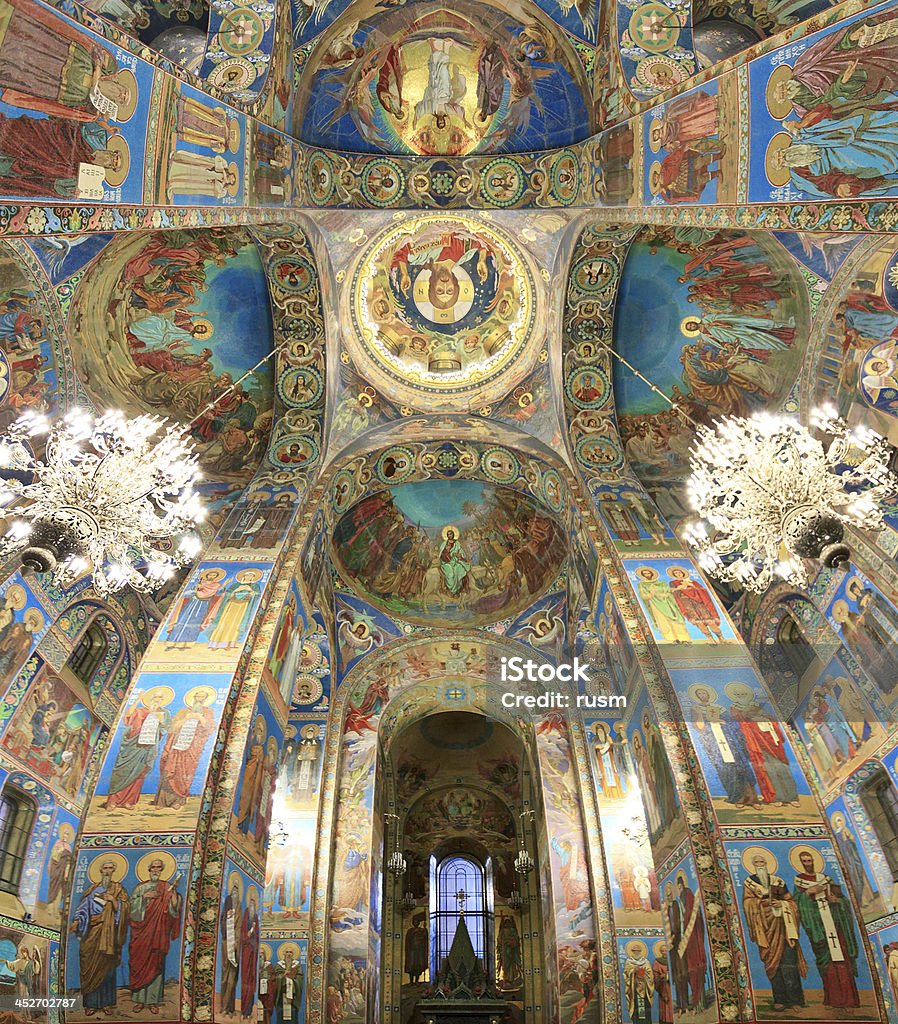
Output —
<point x="646" y="572"/>
<point x="290" y="733"/>
<point x="121" y="866"/>
<point x="686" y="330"/>
<point x="265" y="952"/>
<point x="777" y="176"/>
<point x="233" y="134"/>
<point x="234" y="171"/>
<point x="655" y="177"/>
<point x="258" y="721"/>
<point x="778" y="108"/>
<point x="310" y="732"/>
<point x="675" y="569"/>
<point x="213" y="574"/>
<point x="114" y="177"/>
<point x="208" y="331"/>
<point x="252" y="890"/>
<point x="815" y="854"/>
<point x="732" y="689"/>
<point x="446" y="529"/>
<point x="272" y="740"/>
<point x="206" y="693"/>
<point x="840" y="611"/>
<point x="655" y="126"/>
<point x="248" y="575"/>
<point x="838" y="820"/>
<point x="66" y="832"/>
<point x="33" y="620"/>
<point x="284" y="946"/>
<point x="236" y="879"/>
<point x="15" y="597"/>
<point x="660" y="948"/>
<point x="681" y="877"/>
<point x="125" y="78"/>
<point x="751" y="852"/>
<point x="169" y="865"/>
<point x="636" y="948"/>
<point x="854" y="588"/>
<point x="693" y="692"/>
<point x="163" y="691"/>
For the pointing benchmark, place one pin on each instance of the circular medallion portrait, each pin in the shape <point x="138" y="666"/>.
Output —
<point x="443" y="307"/>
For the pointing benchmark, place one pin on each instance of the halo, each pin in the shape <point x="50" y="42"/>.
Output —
<point x="117" y="144"/>
<point x="677" y="568"/>
<point x="840" y="611"/>
<point x="265" y="952"/>
<point x="838" y="820"/>
<point x="758" y="851"/>
<point x="15" y="597"/>
<point x="234" y="170"/>
<point x="207" y="693"/>
<point x="169" y="865"/>
<point x="448" y="527"/>
<point x="656" y="949"/>
<point x="66" y="831"/>
<point x="233" y="134"/>
<point x="310" y="732"/>
<point x="202" y="321"/>
<point x="248" y="575"/>
<point x="284" y="946"/>
<point x="165" y="691"/>
<point x="274" y="740"/>
<point x="656" y="124"/>
<point x="854" y="588"/>
<point x="260" y="720"/>
<point x="731" y="689"/>
<point x="213" y="574"/>
<point x="693" y="691"/>
<point x="252" y="890"/>
<point x="636" y="947"/>
<point x="655" y="177"/>
<point x="34" y="619"/>
<point x="685" y="330"/>
<point x="647" y="572"/>
<point x="815" y="854"/>
<point x="681" y="875"/>
<point x="121" y="866"/>
<point x="236" y="877"/>
<point x="777" y="176"/>
<point x="778" y="108"/>
<point x="290" y="733"/>
<point x="126" y="79"/>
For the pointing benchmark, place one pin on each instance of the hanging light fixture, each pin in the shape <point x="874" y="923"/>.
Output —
<point x="396" y="864"/>
<point x="524" y="863"/>
<point x="409" y="902"/>
<point x="109" y="494"/>
<point x="515" y="900"/>
<point x="769" y="494"/>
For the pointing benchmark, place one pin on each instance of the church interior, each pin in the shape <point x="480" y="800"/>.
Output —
<point x="468" y="364"/>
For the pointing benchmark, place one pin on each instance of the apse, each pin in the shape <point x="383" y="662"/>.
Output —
<point x="444" y="552"/>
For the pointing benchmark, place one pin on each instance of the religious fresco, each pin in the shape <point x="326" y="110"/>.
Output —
<point x="744" y="751"/>
<point x="689" y="940"/>
<point x="281" y="981"/>
<point x="287" y="895"/>
<point x="443" y="312"/>
<point x="680" y="608"/>
<point x="283" y="664"/>
<point x="167" y="322"/>
<point x="54" y="732"/>
<point x="254" y="797"/>
<point x="734" y="307"/>
<point x="631" y="517"/>
<point x="56" y="878"/>
<point x="438" y="81"/>
<point x="271" y="167"/>
<point x="839" y="726"/>
<point x="804" y="102"/>
<point x="691" y="146"/>
<point x="825" y="966"/>
<point x="613" y="639"/>
<point x="361" y="628"/>
<point x="78" y="131"/>
<point x="125" y="921"/>
<point x="26" y="965"/>
<point x="155" y="768"/>
<point x="654" y="45"/>
<point x="23" y="624"/>
<point x="237" y="958"/>
<point x="437" y="552"/>
<point x="859" y="872"/>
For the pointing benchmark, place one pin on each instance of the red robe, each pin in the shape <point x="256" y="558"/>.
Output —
<point x="177" y="768"/>
<point x="151" y="938"/>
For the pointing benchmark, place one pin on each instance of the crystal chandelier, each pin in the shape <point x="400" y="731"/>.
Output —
<point x="768" y="494"/>
<point x="524" y="863"/>
<point x="108" y="494"/>
<point x="396" y="864"/>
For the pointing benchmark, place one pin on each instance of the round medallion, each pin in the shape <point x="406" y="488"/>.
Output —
<point x="565" y="179"/>
<point x="593" y="275"/>
<point x="343" y="490"/>
<point x="503" y="182"/>
<point x="241" y="32"/>
<point x="499" y="465"/>
<point x="307" y="690"/>
<point x="233" y="75"/>
<point x="443" y="306"/>
<point x="300" y="387"/>
<point x="660" y="73"/>
<point x="320" y="178"/>
<point x="654" y="27"/>
<point x="395" y="465"/>
<point x="553" y="490"/>
<point x="294" y="274"/>
<point x="600" y="452"/>
<point x="310" y="656"/>
<point x="588" y="388"/>
<point x="382" y="182"/>
<point x="295" y="451"/>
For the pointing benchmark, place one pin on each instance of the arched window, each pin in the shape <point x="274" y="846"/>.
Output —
<point x="16" y="818"/>
<point x="798" y="653"/>
<point x="460" y="886"/>
<point x="88" y="652"/>
<point x="880" y="800"/>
